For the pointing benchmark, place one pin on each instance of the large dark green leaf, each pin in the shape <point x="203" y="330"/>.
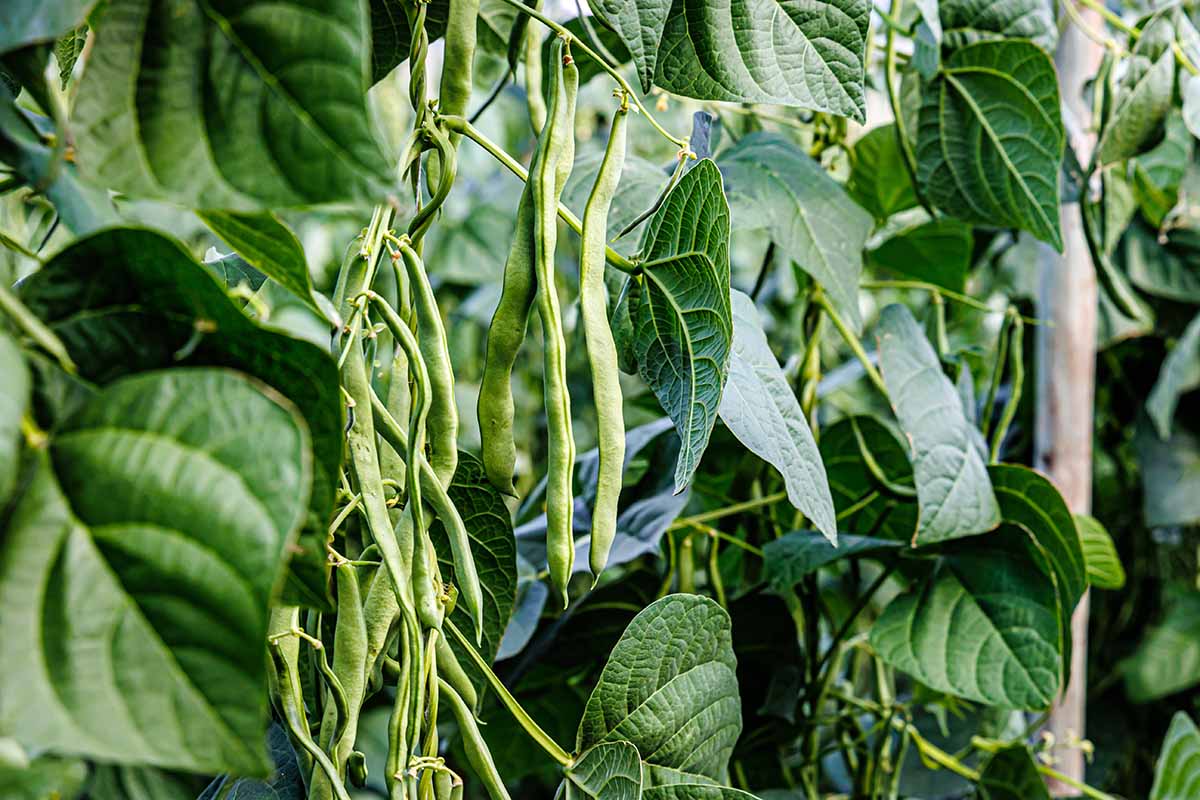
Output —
<point x="1028" y="499"/>
<point x="267" y="245"/>
<point x="792" y="556"/>
<point x="1012" y="774"/>
<point x="670" y="688"/>
<point x="983" y="625"/>
<point x="990" y="140"/>
<point x="128" y="300"/>
<point x="26" y="22"/>
<point x="868" y="506"/>
<point x="682" y="328"/>
<point x="1180" y="373"/>
<point x="640" y="25"/>
<point x="608" y="771"/>
<point x="15" y="388"/>
<point x="879" y="180"/>
<point x="768" y="51"/>
<point x="494" y="551"/>
<point x="1168" y="658"/>
<point x="139" y="567"/>
<point x="967" y="21"/>
<point x="1177" y="774"/>
<point x="773" y="184"/>
<point x="285" y="783"/>
<point x="953" y="490"/>
<point x="762" y="411"/>
<point x="695" y="791"/>
<point x="937" y="252"/>
<point x="228" y="104"/>
<point x="119" y="782"/>
<point x="1167" y="268"/>
<point x="1142" y="102"/>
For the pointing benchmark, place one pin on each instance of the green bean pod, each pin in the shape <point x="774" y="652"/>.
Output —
<point x="504" y="338"/>
<point x="474" y="744"/>
<point x="350" y="667"/>
<point x="450" y="669"/>
<point x="533" y="74"/>
<point x="458" y="57"/>
<point x="442" y="423"/>
<point x="552" y="164"/>
<point x="443" y="785"/>
<point x="602" y="350"/>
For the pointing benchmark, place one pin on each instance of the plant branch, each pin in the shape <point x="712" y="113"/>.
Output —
<point x="28" y="323"/>
<point x="852" y="341"/>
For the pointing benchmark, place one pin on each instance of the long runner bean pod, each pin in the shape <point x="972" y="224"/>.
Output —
<point x="350" y="668"/>
<point x="477" y="749"/>
<point x="505" y="335"/>
<point x="450" y="669"/>
<point x="552" y="164"/>
<point x="454" y="94"/>
<point x="460" y="545"/>
<point x="442" y="423"/>
<point x="602" y="350"/>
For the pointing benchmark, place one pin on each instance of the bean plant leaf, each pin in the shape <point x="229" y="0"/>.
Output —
<point x="1191" y="104"/>
<point x="640" y="25"/>
<point x="1179" y="374"/>
<point x="1158" y="173"/>
<point x="494" y="550"/>
<point x="15" y="389"/>
<point x="984" y="625"/>
<point x="26" y="22"/>
<point x="968" y="21"/>
<point x="267" y="245"/>
<point x="990" y="140"/>
<point x="608" y="771"/>
<point x="768" y="51"/>
<point x="151" y="122"/>
<point x="1104" y="570"/>
<point x="1167" y="660"/>
<point x="121" y="782"/>
<point x="128" y="300"/>
<point x="792" y="556"/>
<point x="953" y="490"/>
<point x="762" y="411"/>
<point x="682" y="329"/>
<point x="285" y="783"/>
<point x="937" y="252"/>
<point x="67" y="50"/>
<point x="773" y="184"/>
<point x="1141" y="106"/>
<point x="193" y="479"/>
<point x="1176" y="776"/>
<point x="670" y="688"/>
<point x="695" y="791"/>
<point x="1029" y="500"/>
<point x="1012" y="774"/>
<point x="1170" y="476"/>
<point x="879" y="180"/>
<point x="864" y="503"/>
<point x="1165" y="268"/>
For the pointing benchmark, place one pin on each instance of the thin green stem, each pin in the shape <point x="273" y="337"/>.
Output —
<point x="519" y="714"/>
<point x="948" y="294"/>
<point x="460" y="125"/>
<point x="893" y="91"/>
<point x="726" y="511"/>
<point x="852" y="341"/>
<point x="1083" y="788"/>
<point x="609" y="68"/>
<point x="713" y="533"/>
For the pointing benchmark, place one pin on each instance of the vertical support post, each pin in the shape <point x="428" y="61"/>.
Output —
<point x="1066" y="361"/>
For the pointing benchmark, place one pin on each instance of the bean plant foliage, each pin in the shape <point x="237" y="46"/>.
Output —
<point x="484" y="398"/>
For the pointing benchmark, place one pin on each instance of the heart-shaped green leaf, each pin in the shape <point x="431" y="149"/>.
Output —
<point x="990" y="141"/>
<point x="760" y="408"/>
<point x="231" y="104"/>
<point x="681" y="328"/>
<point x="887" y="508"/>
<point x="138" y="570"/>
<point x="128" y="300"/>
<point x="766" y="51"/>
<point x="772" y="183"/>
<point x="983" y="625"/>
<point x="792" y="556"/>
<point x="1012" y="774"/>
<point x="967" y="21"/>
<point x="879" y="180"/>
<point x="670" y="688"/>
<point x="1104" y="569"/>
<point x="953" y="490"/>
<point x="937" y="252"/>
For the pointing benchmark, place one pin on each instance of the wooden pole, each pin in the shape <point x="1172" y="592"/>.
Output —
<point x="1066" y="372"/>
